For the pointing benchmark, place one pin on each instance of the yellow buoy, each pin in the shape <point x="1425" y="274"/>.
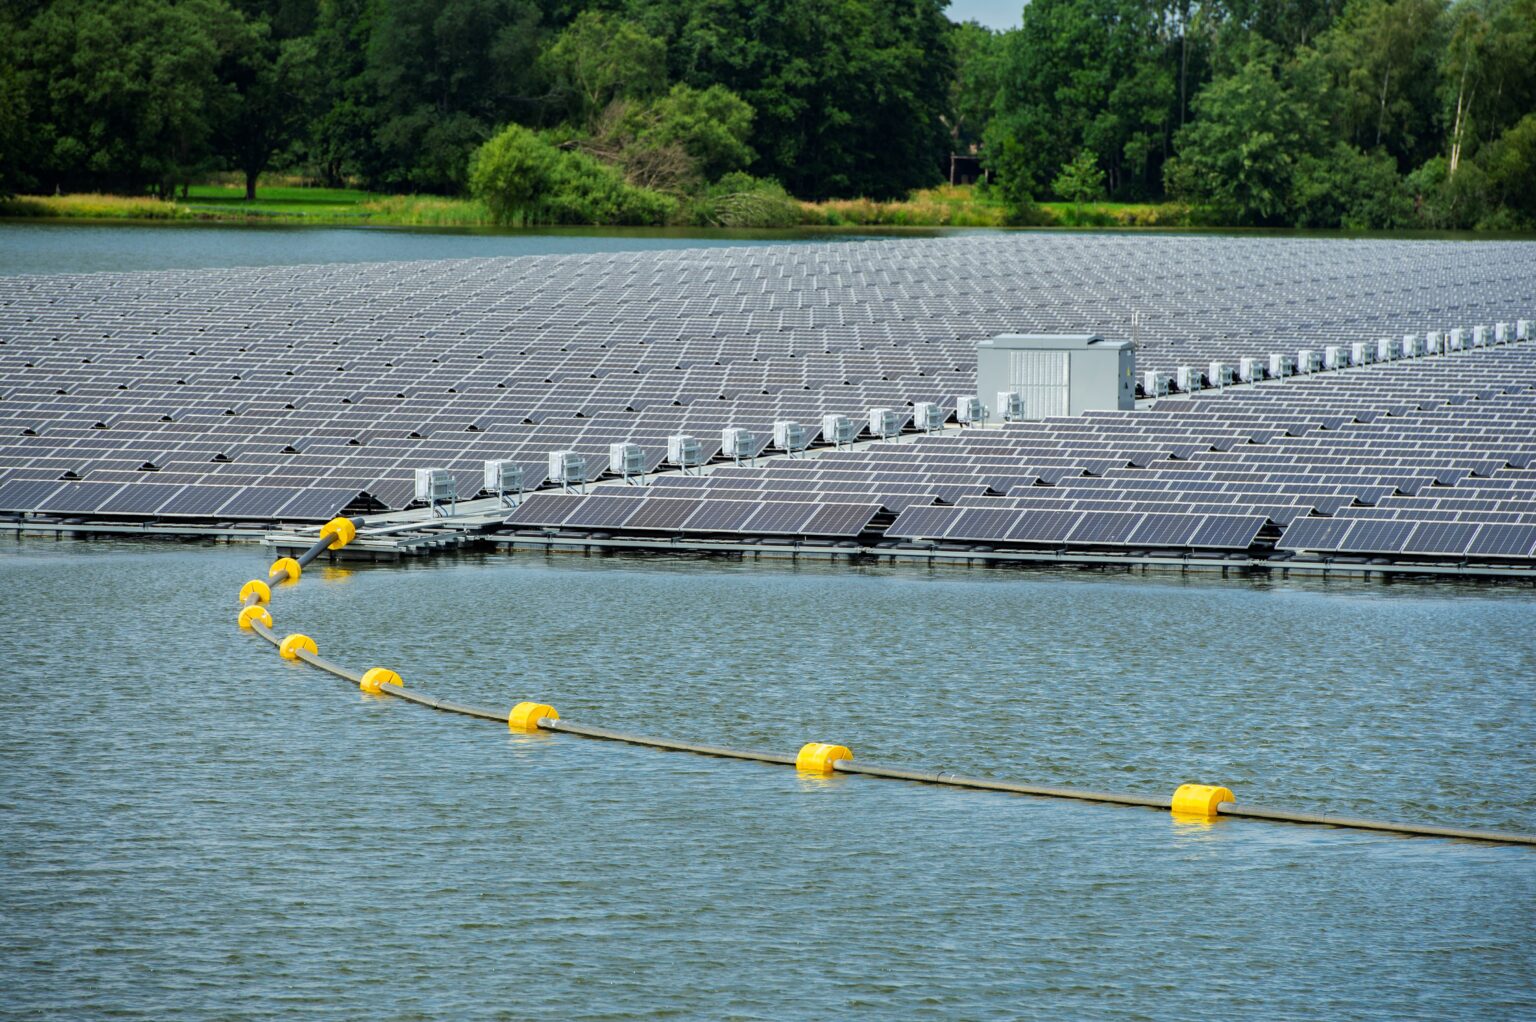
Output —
<point x="376" y="676"/>
<point x="342" y="529"/>
<point x="287" y="564"/>
<point x="525" y="717"/>
<point x="289" y="649"/>
<point x="255" y="613"/>
<point x="1200" y="799"/>
<point x="261" y="589"/>
<point x="818" y="757"/>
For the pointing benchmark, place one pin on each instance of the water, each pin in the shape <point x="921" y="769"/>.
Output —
<point x="197" y="829"/>
<point x="65" y="247"/>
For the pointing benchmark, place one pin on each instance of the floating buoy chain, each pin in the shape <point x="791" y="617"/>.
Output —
<point x="1194" y="802"/>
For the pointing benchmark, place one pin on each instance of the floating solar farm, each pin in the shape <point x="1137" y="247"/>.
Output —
<point x="284" y="395"/>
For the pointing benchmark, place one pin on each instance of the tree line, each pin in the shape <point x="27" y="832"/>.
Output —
<point x="1356" y="113"/>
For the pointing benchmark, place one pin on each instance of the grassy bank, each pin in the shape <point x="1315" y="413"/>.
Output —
<point x="944" y="206"/>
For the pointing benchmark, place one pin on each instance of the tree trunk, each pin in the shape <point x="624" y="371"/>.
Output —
<point x="1381" y="119"/>
<point x="1183" y="60"/>
<point x="250" y="184"/>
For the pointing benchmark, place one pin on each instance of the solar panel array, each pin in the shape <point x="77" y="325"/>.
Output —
<point x="291" y="393"/>
<point x="1433" y="459"/>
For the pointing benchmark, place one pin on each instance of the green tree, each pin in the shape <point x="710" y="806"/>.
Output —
<point x="276" y="86"/>
<point x="849" y="94"/>
<point x="16" y="125"/>
<point x="1094" y="74"/>
<point x="1344" y="187"/>
<point x="598" y="59"/>
<point x="1376" y="71"/>
<point x="1238" y="156"/>
<point x="973" y="92"/>
<point x="512" y="172"/>
<point x="1509" y="163"/>
<point x="1081" y="180"/>
<point x="713" y="126"/>
<point x="130" y="94"/>
<point x="1487" y="79"/>
<point x="340" y="142"/>
<point x="441" y="74"/>
<point x="523" y="179"/>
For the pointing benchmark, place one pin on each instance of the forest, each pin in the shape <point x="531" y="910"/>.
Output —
<point x="1362" y="114"/>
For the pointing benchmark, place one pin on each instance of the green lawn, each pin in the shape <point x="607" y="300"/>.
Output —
<point x="278" y="201"/>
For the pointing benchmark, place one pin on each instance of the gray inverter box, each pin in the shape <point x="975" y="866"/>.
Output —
<point x="1057" y="374"/>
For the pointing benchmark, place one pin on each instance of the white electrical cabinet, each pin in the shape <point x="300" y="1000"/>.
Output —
<point x="788" y="435"/>
<point x="683" y="450"/>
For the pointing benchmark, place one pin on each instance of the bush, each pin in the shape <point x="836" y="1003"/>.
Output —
<point x="1445" y="202"/>
<point x="741" y="200"/>
<point x="522" y="179"/>
<point x="1348" y="188"/>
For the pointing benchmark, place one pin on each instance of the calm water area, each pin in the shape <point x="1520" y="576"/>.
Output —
<point x="193" y="828"/>
<point x="64" y="247"/>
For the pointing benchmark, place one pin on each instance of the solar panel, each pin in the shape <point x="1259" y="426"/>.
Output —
<point x="26" y="494"/>
<point x="1378" y="536"/>
<point x="544" y="509"/>
<point x="1111" y="527"/>
<point x="1228" y="532"/>
<point x="662" y="514"/>
<point x="1314" y="534"/>
<point x="257" y="502"/>
<point x="983" y="524"/>
<point x="1165" y="530"/>
<point x="318" y="503"/>
<point x="608" y="511"/>
<point x="199" y="500"/>
<point x="840" y="520"/>
<point x="780" y="518"/>
<point x="721" y="515"/>
<point x="78" y="498"/>
<point x="1510" y="540"/>
<point x="1044" y="526"/>
<point x="1440" y="538"/>
<point x="922" y="522"/>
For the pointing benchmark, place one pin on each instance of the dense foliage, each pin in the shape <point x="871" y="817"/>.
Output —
<point x="1356" y="113"/>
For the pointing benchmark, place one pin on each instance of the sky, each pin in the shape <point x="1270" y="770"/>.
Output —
<point x="991" y="13"/>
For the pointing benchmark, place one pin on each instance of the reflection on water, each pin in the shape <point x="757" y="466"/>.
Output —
<point x="197" y="829"/>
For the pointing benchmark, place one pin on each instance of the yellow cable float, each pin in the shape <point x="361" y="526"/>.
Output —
<point x="1200" y="799"/>
<point x="376" y="676"/>
<point x="525" y="717"/>
<point x="287" y="564"/>
<point x="255" y="613"/>
<point x="261" y="589"/>
<point x="289" y="648"/>
<point x="342" y="529"/>
<point x="818" y="757"/>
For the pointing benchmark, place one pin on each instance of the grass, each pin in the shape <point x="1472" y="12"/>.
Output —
<point x="278" y="204"/>
<point x="276" y="201"/>
<point x="286" y="200"/>
<point x="1120" y="214"/>
<point x="944" y="206"/>
<point x="92" y="205"/>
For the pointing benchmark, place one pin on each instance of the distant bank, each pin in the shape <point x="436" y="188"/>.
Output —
<point x="944" y="206"/>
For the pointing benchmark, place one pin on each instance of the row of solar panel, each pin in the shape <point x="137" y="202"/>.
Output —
<point x="635" y="510"/>
<point x="1424" y="538"/>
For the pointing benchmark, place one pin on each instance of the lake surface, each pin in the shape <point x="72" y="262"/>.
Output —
<point x="197" y="829"/>
<point x="65" y="247"/>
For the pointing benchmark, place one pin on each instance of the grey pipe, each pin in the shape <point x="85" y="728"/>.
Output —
<point x="848" y="766"/>
<point x="586" y="731"/>
<point x="1421" y="830"/>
